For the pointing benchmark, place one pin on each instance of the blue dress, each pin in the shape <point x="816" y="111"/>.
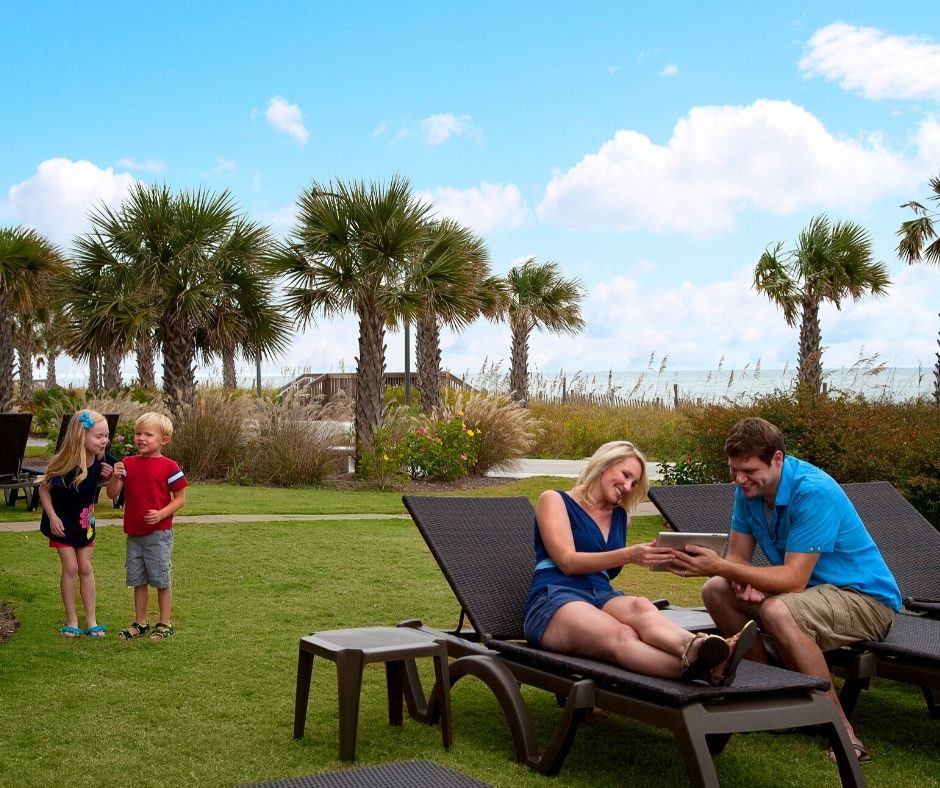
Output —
<point x="75" y="508"/>
<point x="551" y="588"/>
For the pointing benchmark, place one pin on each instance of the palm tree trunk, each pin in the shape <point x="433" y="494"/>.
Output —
<point x="6" y="354"/>
<point x="428" y="347"/>
<point x="228" y="369"/>
<point x="112" y="369"/>
<point x="23" y="339"/>
<point x="519" y="361"/>
<point x="809" y="360"/>
<point x="179" y="353"/>
<point x="51" y="381"/>
<point x="146" y="372"/>
<point x="94" y="378"/>
<point x="370" y="377"/>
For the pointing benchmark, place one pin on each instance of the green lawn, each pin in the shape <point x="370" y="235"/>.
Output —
<point x="214" y="704"/>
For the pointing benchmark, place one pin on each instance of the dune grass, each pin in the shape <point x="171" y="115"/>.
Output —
<point x="213" y="705"/>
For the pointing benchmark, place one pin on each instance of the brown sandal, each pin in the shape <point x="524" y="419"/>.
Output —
<point x="713" y="651"/>
<point x="739" y="645"/>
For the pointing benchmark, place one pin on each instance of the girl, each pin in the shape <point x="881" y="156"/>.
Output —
<point x="580" y="544"/>
<point x="67" y="494"/>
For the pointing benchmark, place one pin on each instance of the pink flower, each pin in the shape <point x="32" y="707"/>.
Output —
<point x="463" y="457"/>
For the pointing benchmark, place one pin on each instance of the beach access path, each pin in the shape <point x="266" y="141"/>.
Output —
<point x="521" y="469"/>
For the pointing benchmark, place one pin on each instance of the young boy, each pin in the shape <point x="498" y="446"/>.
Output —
<point x="153" y="491"/>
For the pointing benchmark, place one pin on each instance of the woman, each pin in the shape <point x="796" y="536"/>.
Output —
<point x="580" y="544"/>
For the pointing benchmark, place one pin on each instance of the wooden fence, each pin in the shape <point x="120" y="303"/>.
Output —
<point x="331" y="384"/>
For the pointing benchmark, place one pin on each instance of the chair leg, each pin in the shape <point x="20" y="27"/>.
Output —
<point x="395" y="690"/>
<point x="442" y="674"/>
<point x="304" y="672"/>
<point x="349" y="684"/>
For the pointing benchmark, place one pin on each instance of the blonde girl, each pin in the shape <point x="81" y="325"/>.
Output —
<point x="67" y="494"/>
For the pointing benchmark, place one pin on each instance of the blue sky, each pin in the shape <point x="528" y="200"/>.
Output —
<point x="652" y="151"/>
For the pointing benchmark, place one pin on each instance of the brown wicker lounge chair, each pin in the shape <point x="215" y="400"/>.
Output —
<point x="484" y="547"/>
<point x="910" y="546"/>
<point x="14" y="435"/>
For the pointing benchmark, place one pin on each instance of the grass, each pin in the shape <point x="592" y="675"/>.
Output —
<point x="214" y="704"/>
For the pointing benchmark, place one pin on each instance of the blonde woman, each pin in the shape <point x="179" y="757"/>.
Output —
<point x="67" y="494"/>
<point x="580" y="545"/>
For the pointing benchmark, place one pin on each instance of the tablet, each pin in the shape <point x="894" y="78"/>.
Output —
<point x="716" y="542"/>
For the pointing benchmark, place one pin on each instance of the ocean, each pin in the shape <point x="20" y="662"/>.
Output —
<point x="896" y="384"/>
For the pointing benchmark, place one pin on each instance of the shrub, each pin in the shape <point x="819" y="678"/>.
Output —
<point x="208" y="435"/>
<point x="576" y="428"/>
<point x="439" y="450"/>
<point x="505" y="430"/>
<point x="851" y="438"/>
<point x="289" y="446"/>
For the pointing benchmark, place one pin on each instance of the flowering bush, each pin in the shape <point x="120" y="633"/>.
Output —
<point x="440" y="450"/>
<point x="122" y="443"/>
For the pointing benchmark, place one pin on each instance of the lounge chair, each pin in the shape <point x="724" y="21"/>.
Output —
<point x="911" y="548"/>
<point x="484" y="548"/>
<point x="14" y="435"/>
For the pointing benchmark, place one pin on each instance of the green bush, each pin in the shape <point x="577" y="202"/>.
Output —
<point x="851" y="438"/>
<point x="576" y="428"/>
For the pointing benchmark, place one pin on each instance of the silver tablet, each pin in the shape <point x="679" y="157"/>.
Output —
<point x="678" y="541"/>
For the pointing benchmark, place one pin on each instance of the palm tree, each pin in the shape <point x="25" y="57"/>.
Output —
<point x="28" y="263"/>
<point x="539" y="297"/>
<point x="919" y="244"/>
<point x="450" y="273"/>
<point x="350" y="252"/>
<point x="158" y="263"/>
<point x="243" y="315"/>
<point x="831" y="262"/>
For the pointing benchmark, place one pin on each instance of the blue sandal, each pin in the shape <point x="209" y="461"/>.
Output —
<point x="70" y="632"/>
<point x="96" y="632"/>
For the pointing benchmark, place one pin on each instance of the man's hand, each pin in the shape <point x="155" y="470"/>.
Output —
<point x="696" y="561"/>
<point x="748" y="593"/>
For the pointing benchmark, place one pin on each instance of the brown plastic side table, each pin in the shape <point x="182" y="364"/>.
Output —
<point x="351" y="650"/>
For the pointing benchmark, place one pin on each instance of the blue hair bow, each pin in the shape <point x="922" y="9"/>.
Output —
<point x="87" y="421"/>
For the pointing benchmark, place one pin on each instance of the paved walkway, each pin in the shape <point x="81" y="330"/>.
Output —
<point x="519" y="470"/>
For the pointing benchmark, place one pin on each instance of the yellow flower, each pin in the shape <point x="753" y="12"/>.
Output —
<point x="471" y="433"/>
<point x="386" y="457"/>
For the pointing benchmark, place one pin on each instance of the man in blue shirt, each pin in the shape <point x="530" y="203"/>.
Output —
<point x="827" y="585"/>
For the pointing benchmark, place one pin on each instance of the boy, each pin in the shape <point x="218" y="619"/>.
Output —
<point x="153" y="491"/>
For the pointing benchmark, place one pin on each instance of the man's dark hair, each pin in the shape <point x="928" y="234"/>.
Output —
<point x="754" y="437"/>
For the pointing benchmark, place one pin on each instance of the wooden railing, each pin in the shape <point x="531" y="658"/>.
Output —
<point x="330" y="384"/>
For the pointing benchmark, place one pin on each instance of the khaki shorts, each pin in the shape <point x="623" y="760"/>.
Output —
<point x="835" y="617"/>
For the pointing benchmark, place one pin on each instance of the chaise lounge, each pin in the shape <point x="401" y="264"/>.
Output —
<point x="910" y="546"/>
<point x="484" y="547"/>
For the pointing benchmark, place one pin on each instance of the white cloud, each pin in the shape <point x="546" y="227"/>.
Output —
<point x="148" y="165"/>
<point x="876" y="65"/>
<point x="287" y="118"/>
<point x="56" y="200"/>
<point x="438" y="129"/>
<point x="225" y="166"/>
<point x="484" y="207"/>
<point x="772" y="156"/>
<point x="669" y="70"/>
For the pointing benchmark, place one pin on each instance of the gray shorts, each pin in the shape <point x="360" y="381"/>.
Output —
<point x="148" y="559"/>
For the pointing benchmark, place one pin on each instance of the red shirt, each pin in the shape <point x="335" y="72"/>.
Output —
<point x="148" y="482"/>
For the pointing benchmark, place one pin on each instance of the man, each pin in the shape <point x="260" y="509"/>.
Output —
<point x="827" y="585"/>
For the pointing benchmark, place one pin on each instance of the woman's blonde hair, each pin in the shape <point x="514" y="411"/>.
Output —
<point x="71" y="455"/>
<point x="603" y="458"/>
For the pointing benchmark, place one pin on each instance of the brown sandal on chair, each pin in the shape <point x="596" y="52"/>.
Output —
<point x="712" y="652"/>
<point x="739" y="645"/>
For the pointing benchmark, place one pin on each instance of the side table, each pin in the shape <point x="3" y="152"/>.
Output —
<point x="351" y="650"/>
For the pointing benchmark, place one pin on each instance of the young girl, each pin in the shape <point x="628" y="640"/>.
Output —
<point x="67" y="494"/>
